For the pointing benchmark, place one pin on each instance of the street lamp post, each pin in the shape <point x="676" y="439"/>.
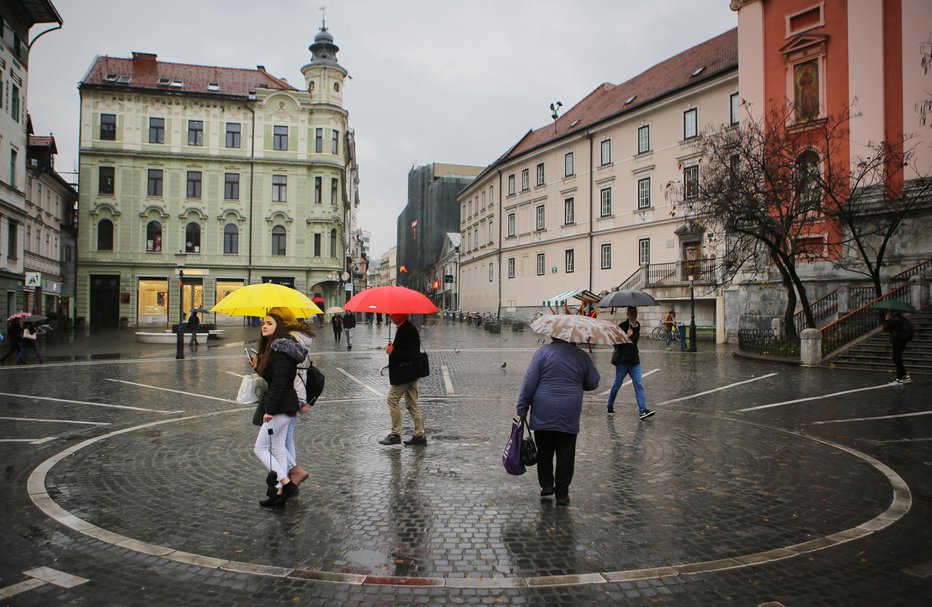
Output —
<point x="692" y="316"/>
<point x="179" y="263"/>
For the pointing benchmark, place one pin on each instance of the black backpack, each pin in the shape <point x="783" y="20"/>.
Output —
<point x="314" y="384"/>
<point x="907" y="332"/>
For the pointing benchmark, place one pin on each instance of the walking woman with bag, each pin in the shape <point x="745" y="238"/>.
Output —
<point x="277" y="362"/>
<point x="29" y="339"/>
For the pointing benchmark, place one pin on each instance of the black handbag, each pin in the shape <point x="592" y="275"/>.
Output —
<point x="425" y="365"/>
<point x="528" y="447"/>
<point x="258" y="414"/>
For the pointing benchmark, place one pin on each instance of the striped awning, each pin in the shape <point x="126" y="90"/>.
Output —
<point x="559" y="300"/>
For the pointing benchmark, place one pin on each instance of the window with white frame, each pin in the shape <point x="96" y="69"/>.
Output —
<point x="606" y="152"/>
<point x="483" y="200"/>
<point x="540" y="264"/>
<point x="569" y="211"/>
<point x="490" y="231"/>
<point x="605" y="202"/>
<point x="490" y="272"/>
<point x="690" y="123"/>
<point x="606" y="256"/>
<point x="511" y="224"/>
<point x="568" y="167"/>
<point x="643" y="139"/>
<point x="511" y="184"/>
<point x="511" y="267"/>
<point x="539" y="217"/>
<point x="734" y="105"/>
<point x="569" y="257"/>
<point x="540" y="173"/>
<point x="691" y="181"/>
<point x="644" y="251"/>
<point x="279" y="188"/>
<point x="525" y="179"/>
<point x="491" y="195"/>
<point x="644" y="192"/>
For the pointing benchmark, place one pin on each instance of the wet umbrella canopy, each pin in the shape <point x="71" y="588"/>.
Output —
<point x="623" y="299"/>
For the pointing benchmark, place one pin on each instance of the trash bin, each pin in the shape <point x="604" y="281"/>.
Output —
<point x="683" y="331"/>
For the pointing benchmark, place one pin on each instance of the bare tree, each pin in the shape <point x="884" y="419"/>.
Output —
<point x="870" y="198"/>
<point x="757" y="199"/>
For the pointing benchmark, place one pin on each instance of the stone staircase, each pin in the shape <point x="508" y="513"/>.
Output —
<point x="873" y="353"/>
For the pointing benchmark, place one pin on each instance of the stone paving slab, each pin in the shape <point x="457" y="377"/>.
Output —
<point x="700" y="505"/>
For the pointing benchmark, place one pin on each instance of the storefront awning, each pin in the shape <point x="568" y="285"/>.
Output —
<point x="559" y="300"/>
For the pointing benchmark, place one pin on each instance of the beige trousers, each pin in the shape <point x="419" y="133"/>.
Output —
<point x="409" y="391"/>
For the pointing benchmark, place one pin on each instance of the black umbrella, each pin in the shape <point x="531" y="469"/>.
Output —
<point x="623" y="299"/>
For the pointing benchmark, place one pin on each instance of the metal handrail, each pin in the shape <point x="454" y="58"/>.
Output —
<point x="913" y="271"/>
<point x="821" y="308"/>
<point x="856" y="323"/>
<point x="634" y="281"/>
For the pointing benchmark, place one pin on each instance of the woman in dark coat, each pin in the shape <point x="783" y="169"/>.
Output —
<point x="277" y="363"/>
<point x="337" y="322"/>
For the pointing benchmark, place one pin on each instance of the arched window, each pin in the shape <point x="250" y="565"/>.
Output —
<point x="230" y="239"/>
<point x="807" y="167"/>
<point x="192" y="238"/>
<point x="104" y="235"/>
<point x="333" y="243"/>
<point x="278" y="240"/>
<point x="153" y="237"/>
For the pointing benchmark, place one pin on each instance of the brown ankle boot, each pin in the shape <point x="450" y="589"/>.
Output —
<point x="297" y="475"/>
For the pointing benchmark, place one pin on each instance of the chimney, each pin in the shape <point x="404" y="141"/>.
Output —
<point x="137" y="56"/>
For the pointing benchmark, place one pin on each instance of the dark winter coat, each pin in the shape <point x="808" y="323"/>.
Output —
<point x="403" y="362"/>
<point x="349" y="321"/>
<point x="627" y="354"/>
<point x="895" y="327"/>
<point x="193" y="323"/>
<point x="280" y="374"/>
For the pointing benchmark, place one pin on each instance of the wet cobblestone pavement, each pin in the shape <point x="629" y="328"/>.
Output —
<point x="756" y="483"/>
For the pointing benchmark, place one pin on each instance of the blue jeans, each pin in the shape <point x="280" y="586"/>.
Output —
<point x="635" y="372"/>
<point x="668" y="334"/>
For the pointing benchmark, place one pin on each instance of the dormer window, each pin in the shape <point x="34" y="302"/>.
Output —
<point x="213" y="86"/>
<point x="630" y="99"/>
<point x="124" y="79"/>
<point x="111" y="77"/>
<point x="697" y="72"/>
<point x="165" y="81"/>
<point x="177" y="84"/>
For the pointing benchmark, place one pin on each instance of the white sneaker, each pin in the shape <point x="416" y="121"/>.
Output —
<point x="906" y="379"/>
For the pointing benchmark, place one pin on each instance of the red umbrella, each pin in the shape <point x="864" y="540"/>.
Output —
<point x="390" y="300"/>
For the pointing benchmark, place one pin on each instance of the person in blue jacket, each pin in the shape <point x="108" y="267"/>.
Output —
<point x="553" y="392"/>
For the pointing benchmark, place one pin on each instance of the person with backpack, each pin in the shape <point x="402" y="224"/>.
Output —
<point x="349" y="323"/>
<point x="901" y="333"/>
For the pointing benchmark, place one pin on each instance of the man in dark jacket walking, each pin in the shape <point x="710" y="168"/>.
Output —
<point x="900" y="331"/>
<point x="627" y="361"/>
<point x="349" y="323"/>
<point x="404" y="369"/>
<point x="14" y="340"/>
<point x="193" y="323"/>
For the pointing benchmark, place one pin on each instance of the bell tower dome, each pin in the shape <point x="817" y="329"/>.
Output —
<point x="323" y="76"/>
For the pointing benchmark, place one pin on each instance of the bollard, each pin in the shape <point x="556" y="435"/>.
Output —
<point x="810" y="347"/>
<point x="682" y="329"/>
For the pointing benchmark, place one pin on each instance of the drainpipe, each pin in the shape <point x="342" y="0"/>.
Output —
<point x="591" y="210"/>
<point x="501" y="217"/>
<point x="252" y="173"/>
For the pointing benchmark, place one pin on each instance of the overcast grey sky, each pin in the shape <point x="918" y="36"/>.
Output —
<point x="432" y="80"/>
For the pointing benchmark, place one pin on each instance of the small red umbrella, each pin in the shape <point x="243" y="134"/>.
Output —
<point x="390" y="300"/>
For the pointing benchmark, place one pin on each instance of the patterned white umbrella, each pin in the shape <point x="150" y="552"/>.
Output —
<point x="579" y="329"/>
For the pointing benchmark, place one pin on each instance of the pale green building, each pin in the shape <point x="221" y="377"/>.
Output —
<point x="244" y="173"/>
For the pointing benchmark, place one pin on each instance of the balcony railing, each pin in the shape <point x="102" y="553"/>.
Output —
<point x="857" y="323"/>
<point x="917" y="269"/>
<point x="677" y="273"/>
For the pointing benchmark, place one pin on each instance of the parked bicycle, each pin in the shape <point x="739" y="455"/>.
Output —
<point x="659" y="333"/>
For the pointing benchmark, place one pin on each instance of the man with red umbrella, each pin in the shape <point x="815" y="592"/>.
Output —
<point x="404" y="370"/>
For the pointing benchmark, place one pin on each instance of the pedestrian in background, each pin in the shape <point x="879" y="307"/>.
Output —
<point x="29" y="342"/>
<point x="627" y="361"/>
<point x="193" y="323"/>
<point x="669" y="325"/>
<point x="553" y="392"/>
<point x="404" y="370"/>
<point x="14" y="337"/>
<point x="349" y="323"/>
<point x="901" y="333"/>
<point x="277" y="362"/>
<point x="337" y="323"/>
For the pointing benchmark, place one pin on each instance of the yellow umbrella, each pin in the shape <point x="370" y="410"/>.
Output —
<point x="257" y="300"/>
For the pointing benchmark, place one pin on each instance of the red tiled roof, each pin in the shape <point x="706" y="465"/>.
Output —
<point x="717" y="55"/>
<point x="145" y="72"/>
